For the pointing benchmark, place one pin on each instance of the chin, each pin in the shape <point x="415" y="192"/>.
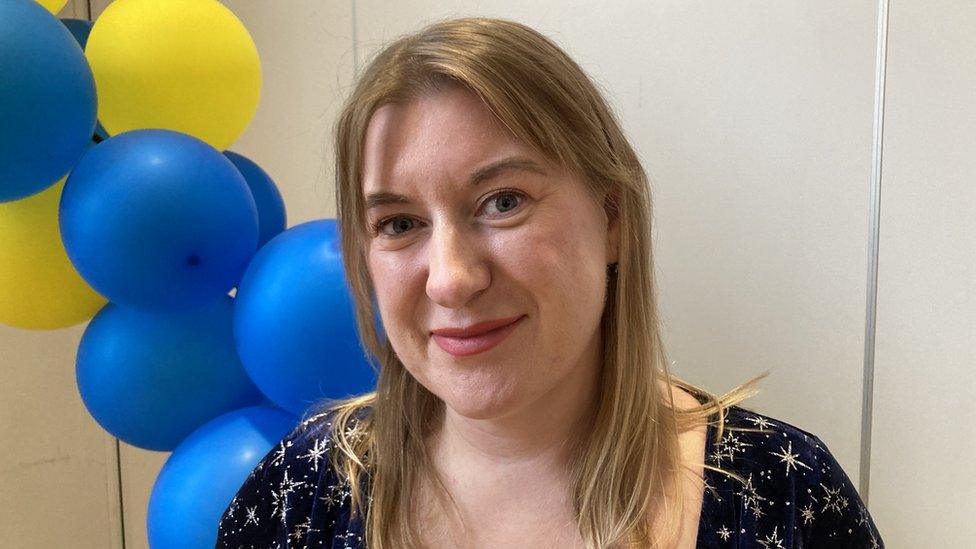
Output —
<point x="477" y="391"/>
<point x="479" y="406"/>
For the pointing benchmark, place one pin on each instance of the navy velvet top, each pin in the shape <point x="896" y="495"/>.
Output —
<point x="795" y="493"/>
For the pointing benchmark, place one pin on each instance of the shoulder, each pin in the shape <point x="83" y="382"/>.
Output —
<point x="793" y="489"/>
<point x="746" y="432"/>
<point x="274" y="505"/>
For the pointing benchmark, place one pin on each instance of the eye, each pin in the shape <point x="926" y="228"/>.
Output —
<point x="506" y="200"/>
<point x="401" y="225"/>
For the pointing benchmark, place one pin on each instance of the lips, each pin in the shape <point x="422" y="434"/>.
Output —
<point x="476" y="329"/>
<point x="477" y="338"/>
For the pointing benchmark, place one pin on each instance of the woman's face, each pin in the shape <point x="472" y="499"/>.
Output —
<point x="460" y="243"/>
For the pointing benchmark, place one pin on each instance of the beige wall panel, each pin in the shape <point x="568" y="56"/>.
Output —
<point x="97" y="7"/>
<point x="58" y="469"/>
<point x="754" y="123"/>
<point x="925" y="376"/>
<point x="74" y="9"/>
<point x="307" y="60"/>
<point x="307" y="64"/>
<point x="58" y="473"/>
<point x="138" y="472"/>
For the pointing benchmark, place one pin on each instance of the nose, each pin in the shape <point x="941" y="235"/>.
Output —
<point x="456" y="271"/>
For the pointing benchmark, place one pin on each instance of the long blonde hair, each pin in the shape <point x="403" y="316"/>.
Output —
<point x="628" y="465"/>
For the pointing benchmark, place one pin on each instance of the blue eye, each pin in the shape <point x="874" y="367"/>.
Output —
<point x="394" y="221"/>
<point x="401" y="225"/>
<point x="512" y="203"/>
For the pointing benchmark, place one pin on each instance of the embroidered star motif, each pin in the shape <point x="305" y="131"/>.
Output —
<point x="750" y="498"/>
<point x="279" y="455"/>
<point x="833" y="499"/>
<point x="772" y="539"/>
<point x="807" y="513"/>
<point x="316" y="453"/>
<point x="302" y="530"/>
<point x="760" y="422"/>
<point x="728" y="447"/>
<point x="251" y="516"/>
<point x="787" y="456"/>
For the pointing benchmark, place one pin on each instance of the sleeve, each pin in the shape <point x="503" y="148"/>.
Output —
<point x="269" y="506"/>
<point x="831" y="512"/>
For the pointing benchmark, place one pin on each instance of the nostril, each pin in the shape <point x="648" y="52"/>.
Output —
<point x="193" y="260"/>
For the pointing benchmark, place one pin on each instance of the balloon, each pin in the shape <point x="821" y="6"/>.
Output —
<point x="201" y="477"/>
<point x="183" y="65"/>
<point x="150" y="379"/>
<point x="80" y="29"/>
<point x="294" y="323"/>
<point x="271" y="207"/>
<point x="39" y="287"/>
<point x="53" y="6"/>
<point x="47" y="100"/>
<point x="159" y="220"/>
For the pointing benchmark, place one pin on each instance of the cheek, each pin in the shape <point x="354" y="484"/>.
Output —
<point x="401" y="293"/>
<point x="564" y="283"/>
<point x="391" y="281"/>
<point x="561" y="265"/>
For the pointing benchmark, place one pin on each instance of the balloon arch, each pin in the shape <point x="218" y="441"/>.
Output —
<point x="207" y="318"/>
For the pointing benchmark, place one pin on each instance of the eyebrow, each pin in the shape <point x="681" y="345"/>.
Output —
<point x="482" y="174"/>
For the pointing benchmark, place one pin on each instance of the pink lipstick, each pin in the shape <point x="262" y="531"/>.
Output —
<point x="477" y="338"/>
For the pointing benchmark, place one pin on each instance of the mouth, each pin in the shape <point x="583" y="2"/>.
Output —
<point x="476" y="344"/>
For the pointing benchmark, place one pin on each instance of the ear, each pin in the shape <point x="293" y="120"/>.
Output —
<point x="612" y="214"/>
<point x="613" y="239"/>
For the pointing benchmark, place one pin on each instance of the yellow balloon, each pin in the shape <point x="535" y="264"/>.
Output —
<point x="39" y="287"/>
<point x="53" y="6"/>
<point x="183" y="65"/>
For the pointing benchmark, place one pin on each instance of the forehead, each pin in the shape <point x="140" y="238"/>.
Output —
<point x="442" y="135"/>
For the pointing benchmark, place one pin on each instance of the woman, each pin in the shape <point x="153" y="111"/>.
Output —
<point x="492" y="208"/>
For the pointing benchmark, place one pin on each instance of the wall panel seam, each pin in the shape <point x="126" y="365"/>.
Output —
<point x="871" y="314"/>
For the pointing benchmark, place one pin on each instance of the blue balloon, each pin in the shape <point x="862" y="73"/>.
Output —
<point x="271" y="207"/>
<point x="151" y="379"/>
<point x="158" y="219"/>
<point x="295" y="324"/>
<point x="47" y="100"/>
<point x="80" y="29"/>
<point x="199" y="480"/>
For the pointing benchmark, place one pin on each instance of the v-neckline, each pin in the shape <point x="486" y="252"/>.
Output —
<point x="705" y="508"/>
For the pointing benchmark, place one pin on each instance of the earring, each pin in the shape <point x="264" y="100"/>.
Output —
<point x="612" y="268"/>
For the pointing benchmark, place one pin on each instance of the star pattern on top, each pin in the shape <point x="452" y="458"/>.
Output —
<point x="787" y="456"/>
<point x="792" y="493"/>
